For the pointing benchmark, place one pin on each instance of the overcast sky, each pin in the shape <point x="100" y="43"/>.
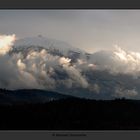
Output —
<point x="90" y="30"/>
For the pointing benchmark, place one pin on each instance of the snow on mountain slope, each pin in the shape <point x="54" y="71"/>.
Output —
<point x="48" y="64"/>
<point x="46" y="43"/>
<point x="52" y="46"/>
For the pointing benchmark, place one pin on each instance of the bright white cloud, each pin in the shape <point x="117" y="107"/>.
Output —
<point x="41" y="69"/>
<point x="6" y="41"/>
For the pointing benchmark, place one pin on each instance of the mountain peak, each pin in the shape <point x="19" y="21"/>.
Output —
<point x="46" y="43"/>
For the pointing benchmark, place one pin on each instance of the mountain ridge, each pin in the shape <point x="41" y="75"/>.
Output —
<point x="30" y="96"/>
<point x="45" y="42"/>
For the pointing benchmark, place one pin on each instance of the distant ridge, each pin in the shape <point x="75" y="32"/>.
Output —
<point x="29" y="96"/>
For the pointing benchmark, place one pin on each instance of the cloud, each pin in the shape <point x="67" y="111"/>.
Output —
<point x="39" y="68"/>
<point x="95" y="88"/>
<point x="129" y="93"/>
<point x="64" y="61"/>
<point x="6" y="42"/>
<point x="117" y="61"/>
<point x="35" y="68"/>
<point x="75" y="75"/>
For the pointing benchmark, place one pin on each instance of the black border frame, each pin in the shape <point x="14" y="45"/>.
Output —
<point x="69" y="4"/>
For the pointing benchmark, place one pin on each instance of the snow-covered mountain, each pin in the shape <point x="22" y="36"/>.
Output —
<point x="53" y="46"/>
<point x="46" y="43"/>
<point x="50" y="64"/>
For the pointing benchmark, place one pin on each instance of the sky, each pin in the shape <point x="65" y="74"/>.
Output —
<point x="90" y="30"/>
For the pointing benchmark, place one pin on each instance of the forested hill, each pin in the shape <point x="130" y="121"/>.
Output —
<point x="23" y="96"/>
<point x="72" y="114"/>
